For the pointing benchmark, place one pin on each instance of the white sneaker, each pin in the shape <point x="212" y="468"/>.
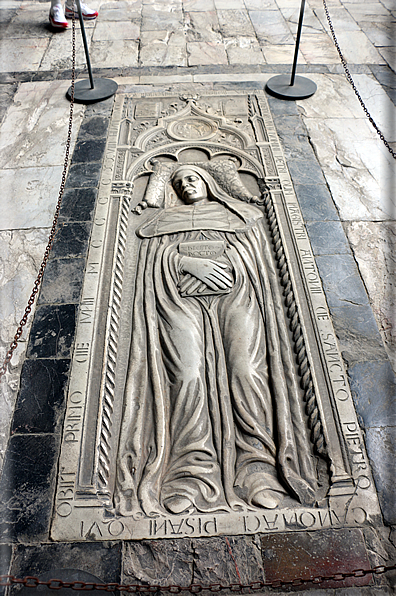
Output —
<point x="87" y="13"/>
<point x="57" y="17"/>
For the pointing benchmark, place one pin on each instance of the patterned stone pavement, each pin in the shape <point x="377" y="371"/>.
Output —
<point x="344" y="176"/>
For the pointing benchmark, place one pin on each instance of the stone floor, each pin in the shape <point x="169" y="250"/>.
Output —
<point x="155" y="45"/>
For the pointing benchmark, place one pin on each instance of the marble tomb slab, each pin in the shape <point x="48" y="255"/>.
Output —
<point x="208" y="395"/>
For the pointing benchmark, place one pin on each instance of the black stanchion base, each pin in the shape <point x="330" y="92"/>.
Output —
<point x="103" y="89"/>
<point x="280" y="87"/>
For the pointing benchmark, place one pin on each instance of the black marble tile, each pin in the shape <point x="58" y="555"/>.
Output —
<point x="102" y="108"/>
<point x="373" y="387"/>
<point x="88" y="150"/>
<point x="78" y="204"/>
<point x="357" y="333"/>
<point x="94" y="127"/>
<point x="62" y="281"/>
<point x="102" y="559"/>
<point x="84" y="175"/>
<point x="41" y="400"/>
<point x="162" y="562"/>
<point x="27" y="487"/>
<point x="5" y="562"/>
<point x="304" y="171"/>
<point x="52" y="331"/>
<point x="315" y="202"/>
<point x="227" y="560"/>
<point x="282" y="107"/>
<point x="341" y="280"/>
<point x="71" y="240"/>
<point x="381" y="449"/>
<point x="328" y="238"/>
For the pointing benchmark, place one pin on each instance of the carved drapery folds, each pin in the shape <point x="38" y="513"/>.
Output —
<point x="214" y="398"/>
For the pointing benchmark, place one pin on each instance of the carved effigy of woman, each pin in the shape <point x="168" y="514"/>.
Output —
<point x="213" y="419"/>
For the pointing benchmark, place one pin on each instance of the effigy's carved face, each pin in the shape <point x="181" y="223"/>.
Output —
<point x="190" y="187"/>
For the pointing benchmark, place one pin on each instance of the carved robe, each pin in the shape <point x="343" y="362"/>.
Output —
<point x="212" y="406"/>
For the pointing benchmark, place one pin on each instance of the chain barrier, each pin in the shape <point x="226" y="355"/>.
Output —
<point x="53" y="231"/>
<point x="57" y="584"/>
<point x="352" y="83"/>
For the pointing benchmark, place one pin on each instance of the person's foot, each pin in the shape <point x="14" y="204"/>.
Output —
<point x="177" y="504"/>
<point x="57" y="17"/>
<point x="87" y="13"/>
<point x="268" y="499"/>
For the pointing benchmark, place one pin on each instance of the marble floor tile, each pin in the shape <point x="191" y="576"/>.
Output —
<point x="21" y="252"/>
<point x="378" y="103"/>
<point x="163" y="48"/>
<point x="24" y="56"/>
<point x="389" y="56"/>
<point x="59" y="52"/>
<point x="261" y="4"/>
<point x="229" y="4"/>
<point x="116" y="30"/>
<point x="318" y="49"/>
<point x="366" y="11"/>
<point x="34" y="131"/>
<point x="160" y="20"/>
<point x="381" y="33"/>
<point x="374" y="248"/>
<point x="340" y="17"/>
<point x="119" y="11"/>
<point x="271" y="27"/>
<point x="202" y="26"/>
<point x="334" y="98"/>
<point x="234" y="23"/>
<point x="202" y="52"/>
<point x="243" y="50"/>
<point x="114" y="54"/>
<point x="30" y="197"/>
<point x="357" y="167"/>
<point x="276" y="54"/>
<point x="357" y="48"/>
<point x="311" y="23"/>
<point x="198" y="5"/>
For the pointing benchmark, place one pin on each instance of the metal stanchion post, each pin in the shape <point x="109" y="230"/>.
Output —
<point x="294" y="87"/>
<point x="95" y="89"/>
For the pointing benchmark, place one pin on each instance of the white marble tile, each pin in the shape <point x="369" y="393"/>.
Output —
<point x="59" y="52"/>
<point x="318" y="49"/>
<point x="34" y="131"/>
<point x="378" y="104"/>
<point x="340" y="17"/>
<point x="357" y="166"/>
<point x="374" y="248"/>
<point x="357" y="48"/>
<point x="243" y="50"/>
<point x="163" y="48"/>
<point x="276" y="54"/>
<point x="114" y="54"/>
<point x="334" y="98"/>
<point x="261" y="4"/>
<point x="30" y="196"/>
<point x="116" y="30"/>
<point x="311" y="23"/>
<point x="23" y="56"/>
<point x="389" y="56"/>
<point x="366" y="11"/>
<point x="21" y="252"/>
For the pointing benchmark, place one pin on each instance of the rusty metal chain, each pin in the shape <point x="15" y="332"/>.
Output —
<point x="57" y="584"/>
<point x="352" y="83"/>
<point x="53" y="231"/>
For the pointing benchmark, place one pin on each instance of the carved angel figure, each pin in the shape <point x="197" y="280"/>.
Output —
<point x="213" y="419"/>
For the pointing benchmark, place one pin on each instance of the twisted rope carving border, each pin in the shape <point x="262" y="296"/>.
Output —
<point x="304" y="369"/>
<point x="111" y="356"/>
